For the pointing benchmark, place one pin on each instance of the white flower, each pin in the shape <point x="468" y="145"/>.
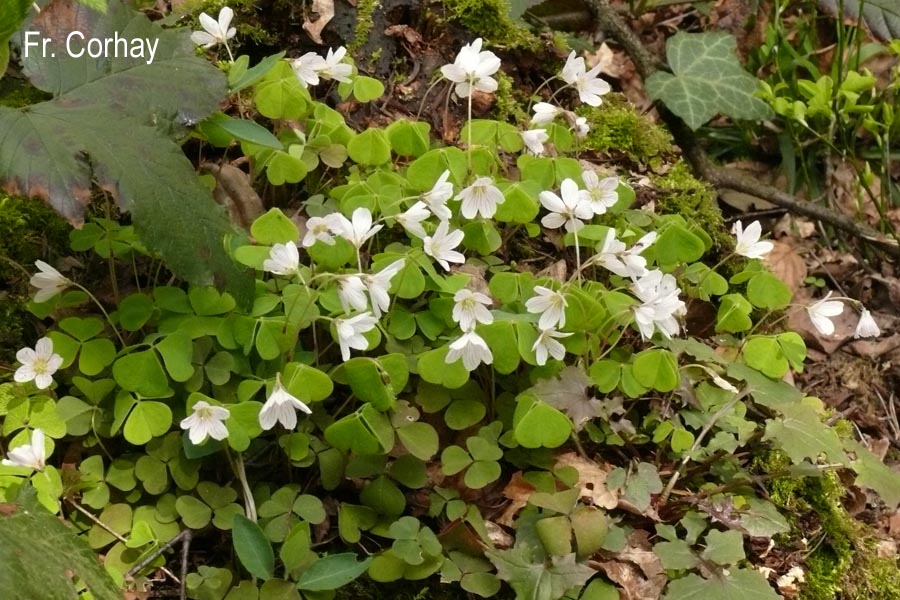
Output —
<point x="550" y="305"/>
<point x="472" y="349"/>
<point x="630" y="263"/>
<point x="602" y="192"/>
<point x="334" y="68"/>
<point x="39" y="364"/>
<point x="284" y="259"/>
<point x="352" y="293"/>
<point x="867" y="327"/>
<point x="307" y="68"/>
<point x="473" y="69"/>
<point x="568" y="210"/>
<point x="534" y="140"/>
<point x="471" y="307"/>
<point x="206" y="420"/>
<point x="33" y="456"/>
<point x="48" y="281"/>
<point x="590" y="87"/>
<point x="350" y="332"/>
<point x="357" y="231"/>
<point x="436" y="198"/>
<point x="581" y="127"/>
<point x="480" y="197"/>
<point x="658" y="293"/>
<point x="546" y="344"/>
<point x="318" y="229"/>
<point x="544" y="113"/>
<point x="378" y="284"/>
<point x="412" y="218"/>
<point x="747" y="240"/>
<point x="282" y="407"/>
<point x="215" y="32"/>
<point x="441" y="245"/>
<point x="821" y="312"/>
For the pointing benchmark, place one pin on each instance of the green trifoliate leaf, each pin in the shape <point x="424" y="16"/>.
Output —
<point x="707" y="79"/>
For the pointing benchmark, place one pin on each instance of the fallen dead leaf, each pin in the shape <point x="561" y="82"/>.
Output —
<point x="406" y="33"/>
<point x="876" y="348"/>
<point x="591" y="479"/>
<point x="325" y="11"/>
<point x="518" y="491"/>
<point x="636" y="569"/>
<point x="787" y="265"/>
<point x="498" y="536"/>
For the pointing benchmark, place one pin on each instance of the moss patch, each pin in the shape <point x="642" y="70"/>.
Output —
<point x="17" y="93"/>
<point x="364" y="11"/>
<point x="616" y="127"/>
<point x="29" y="231"/>
<point x="490" y="20"/>
<point x="679" y="192"/>
<point x="842" y="563"/>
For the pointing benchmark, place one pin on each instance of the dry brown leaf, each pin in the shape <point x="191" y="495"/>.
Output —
<point x="235" y="193"/>
<point x="498" y="536"/>
<point x="555" y="271"/>
<point x="591" y="479"/>
<point x="637" y="569"/>
<point x="519" y="491"/>
<point x="787" y="265"/>
<point x="406" y="33"/>
<point x="325" y="11"/>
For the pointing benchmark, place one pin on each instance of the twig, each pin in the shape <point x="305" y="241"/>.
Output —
<point x="184" y="535"/>
<point x="99" y="523"/>
<point x="699" y="440"/>
<point x="609" y="21"/>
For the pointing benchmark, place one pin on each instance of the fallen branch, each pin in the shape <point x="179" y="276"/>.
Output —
<point x="609" y="21"/>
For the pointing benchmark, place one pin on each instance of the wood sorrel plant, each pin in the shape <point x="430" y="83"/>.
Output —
<point x="399" y="400"/>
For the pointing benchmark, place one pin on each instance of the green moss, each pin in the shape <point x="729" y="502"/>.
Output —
<point x="364" y="11"/>
<point x="18" y="92"/>
<point x="842" y="563"/>
<point x="616" y="127"/>
<point x="679" y="192"/>
<point x="490" y="20"/>
<point x="506" y="106"/>
<point x="28" y="229"/>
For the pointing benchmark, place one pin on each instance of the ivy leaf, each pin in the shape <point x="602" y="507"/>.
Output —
<point x="873" y="474"/>
<point x="638" y="486"/>
<point x="882" y="17"/>
<point x="538" y="580"/>
<point x="801" y="434"/>
<point x="568" y="393"/>
<point x="706" y="79"/>
<point x="99" y="127"/>
<point x="724" y="547"/>
<point x="762" y="519"/>
<point x="740" y="584"/>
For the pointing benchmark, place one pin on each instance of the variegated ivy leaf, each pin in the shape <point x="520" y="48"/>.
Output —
<point x="707" y="79"/>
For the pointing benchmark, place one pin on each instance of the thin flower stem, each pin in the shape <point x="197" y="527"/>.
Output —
<point x="699" y="440"/>
<point x="577" y="255"/>
<point x="237" y="465"/>
<point x="228" y="49"/>
<point x="103" y="310"/>
<point x="428" y="91"/>
<point x="469" y="133"/>
<point x="544" y="84"/>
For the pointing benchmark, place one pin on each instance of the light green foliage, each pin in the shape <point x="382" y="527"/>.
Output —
<point x="707" y="79"/>
<point x="295" y="429"/>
